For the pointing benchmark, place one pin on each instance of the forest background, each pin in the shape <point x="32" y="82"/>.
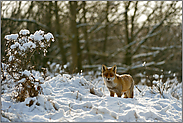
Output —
<point x="140" y="37"/>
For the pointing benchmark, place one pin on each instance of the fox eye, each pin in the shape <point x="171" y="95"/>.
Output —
<point x="111" y="75"/>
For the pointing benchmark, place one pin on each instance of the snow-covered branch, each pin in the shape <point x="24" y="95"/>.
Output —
<point x="91" y="66"/>
<point x="5" y="116"/>
<point x="147" y="64"/>
<point x="160" y="48"/>
<point x="132" y="43"/>
<point x="149" y="35"/>
<point x="83" y="24"/>
<point x="145" y="54"/>
<point x="96" y="25"/>
<point x="137" y="66"/>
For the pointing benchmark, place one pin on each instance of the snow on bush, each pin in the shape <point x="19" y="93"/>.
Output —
<point x="24" y="32"/>
<point x="170" y="87"/>
<point x="11" y="37"/>
<point x="15" y="65"/>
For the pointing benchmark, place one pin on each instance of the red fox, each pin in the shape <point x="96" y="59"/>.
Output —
<point x="118" y="84"/>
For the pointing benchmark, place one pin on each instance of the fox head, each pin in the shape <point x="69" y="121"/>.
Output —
<point x="108" y="73"/>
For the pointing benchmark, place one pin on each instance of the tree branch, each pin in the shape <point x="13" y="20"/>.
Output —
<point x="26" y="20"/>
<point x="151" y="32"/>
<point x="4" y="115"/>
<point x="143" y="25"/>
<point x="130" y="44"/>
<point x="132" y="20"/>
<point x="149" y="35"/>
<point x="161" y="48"/>
<point x="126" y="22"/>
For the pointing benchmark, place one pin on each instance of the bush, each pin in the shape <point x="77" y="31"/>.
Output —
<point x="15" y="65"/>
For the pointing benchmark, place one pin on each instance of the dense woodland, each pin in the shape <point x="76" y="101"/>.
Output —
<point x="138" y="36"/>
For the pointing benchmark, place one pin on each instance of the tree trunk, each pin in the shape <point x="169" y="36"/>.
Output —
<point x="48" y="23"/>
<point x="58" y="30"/>
<point x="86" y="34"/>
<point x="128" y="56"/>
<point x="106" y="32"/>
<point x="75" y="45"/>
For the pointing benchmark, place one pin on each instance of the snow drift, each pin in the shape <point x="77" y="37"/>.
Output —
<point x="69" y="98"/>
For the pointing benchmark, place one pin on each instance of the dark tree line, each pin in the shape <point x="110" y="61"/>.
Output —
<point x="92" y="33"/>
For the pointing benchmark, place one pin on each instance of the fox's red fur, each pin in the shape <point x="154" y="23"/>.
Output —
<point x="118" y="84"/>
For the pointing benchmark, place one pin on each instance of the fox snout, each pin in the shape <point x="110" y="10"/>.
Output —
<point x="109" y="79"/>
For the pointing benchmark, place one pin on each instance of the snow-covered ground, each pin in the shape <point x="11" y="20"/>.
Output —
<point x="67" y="98"/>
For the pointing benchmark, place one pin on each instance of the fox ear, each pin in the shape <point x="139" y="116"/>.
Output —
<point x="104" y="68"/>
<point x="114" y="68"/>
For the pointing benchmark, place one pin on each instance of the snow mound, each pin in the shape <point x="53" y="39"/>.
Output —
<point x="69" y="98"/>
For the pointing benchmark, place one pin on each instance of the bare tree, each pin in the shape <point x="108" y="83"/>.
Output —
<point x="106" y="30"/>
<point x="76" y="51"/>
<point x="86" y="33"/>
<point x="58" y="30"/>
<point x="100" y="31"/>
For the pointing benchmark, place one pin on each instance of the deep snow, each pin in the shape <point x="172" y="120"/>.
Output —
<point x="67" y="98"/>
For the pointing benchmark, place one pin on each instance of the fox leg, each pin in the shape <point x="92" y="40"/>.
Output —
<point x="119" y="95"/>
<point x="125" y="95"/>
<point x="111" y="93"/>
<point x="129" y="94"/>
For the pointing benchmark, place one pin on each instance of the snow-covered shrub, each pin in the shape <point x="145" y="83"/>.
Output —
<point x="56" y="69"/>
<point x="169" y="88"/>
<point x="15" y="65"/>
<point x="165" y="84"/>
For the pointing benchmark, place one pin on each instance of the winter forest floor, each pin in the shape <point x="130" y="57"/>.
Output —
<point x="68" y="98"/>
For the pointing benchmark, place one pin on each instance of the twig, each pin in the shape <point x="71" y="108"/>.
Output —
<point x="3" y="115"/>
<point x="26" y="20"/>
<point x="138" y="89"/>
